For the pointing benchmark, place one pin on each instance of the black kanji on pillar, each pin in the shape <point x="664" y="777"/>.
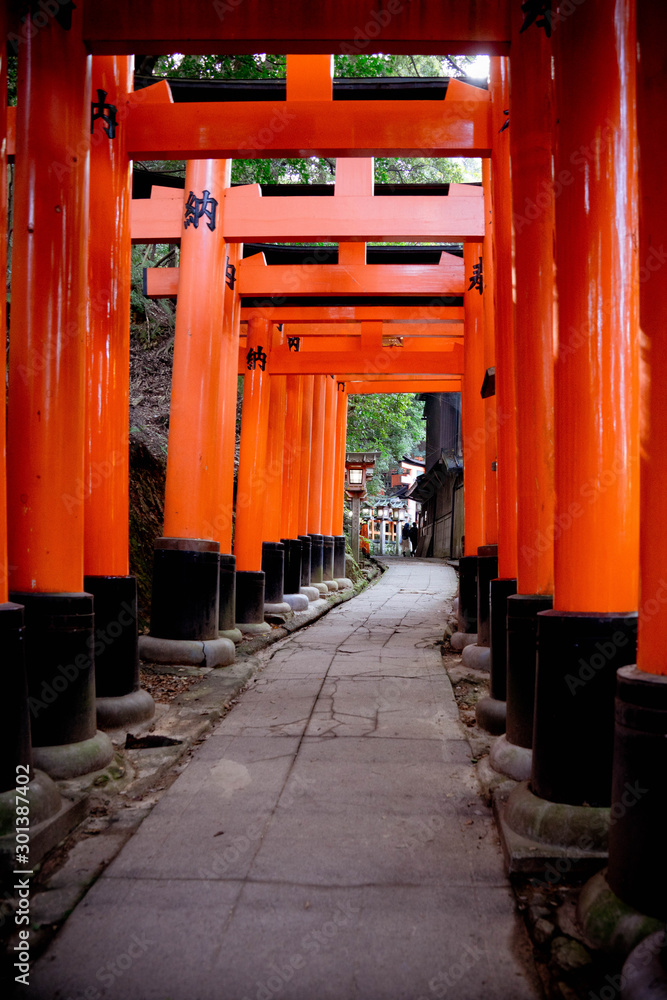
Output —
<point x="230" y="273"/>
<point x="256" y="357"/>
<point x="477" y="279"/>
<point x="105" y="112"/>
<point x="196" y="208"/>
<point x="538" y="13"/>
<point x="294" y="343"/>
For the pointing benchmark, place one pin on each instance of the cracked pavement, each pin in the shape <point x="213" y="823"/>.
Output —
<point x="326" y="842"/>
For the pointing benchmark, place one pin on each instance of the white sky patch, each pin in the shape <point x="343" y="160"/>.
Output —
<point x="479" y="68"/>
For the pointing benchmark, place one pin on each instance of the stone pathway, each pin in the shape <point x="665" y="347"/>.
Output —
<point x="327" y="842"/>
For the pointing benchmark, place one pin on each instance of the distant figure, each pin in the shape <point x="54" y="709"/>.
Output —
<point x="414" y="537"/>
<point x="405" y="539"/>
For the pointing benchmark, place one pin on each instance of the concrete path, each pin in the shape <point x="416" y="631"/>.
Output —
<point x="327" y="842"/>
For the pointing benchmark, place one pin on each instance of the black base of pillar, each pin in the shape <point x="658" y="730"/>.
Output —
<point x="185" y="598"/>
<point x="339" y="557"/>
<point x="227" y="599"/>
<point x="637" y="873"/>
<point x="317" y="559"/>
<point x="119" y="699"/>
<point x="522" y="611"/>
<point x="491" y="715"/>
<point x="116" y="639"/>
<point x="15" y="746"/>
<point x="501" y="590"/>
<point x="293" y="549"/>
<point x="328" y="557"/>
<point x="273" y="567"/>
<point x="644" y="974"/>
<point x="487" y="570"/>
<point x="60" y="667"/>
<point x="249" y="597"/>
<point x="306" y="547"/>
<point x="468" y="594"/>
<point x="573" y="735"/>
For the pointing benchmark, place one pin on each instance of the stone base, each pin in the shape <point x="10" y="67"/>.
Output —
<point x="312" y="593"/>
<point x="512" y="761"/>
<point x="254" y="628"/>
<point x="321" y="589"/>
<point x="233" y="634"/>
<point x="281" y="608"/>
<point x="344" y="583"/>
<point x="124" y="710"/>
<point x="609" y="924"/>
<point x="491" y="714"/>
<point x="460" y="640"/>
<point x="187" y="652"/>
<point x="44" y="798"/>
<point x="73" y="759"/>
<point x="331" y="585"/>
<point x="52" y="818"/>
<point x="644" y="975"/>
<point x="490" y="780"/>
<point x="476" y="657"/>
<point x="551" y="839"/>
<point x="297" y="602"/>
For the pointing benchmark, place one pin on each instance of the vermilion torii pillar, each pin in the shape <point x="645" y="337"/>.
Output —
<point x="472" y="423"/>
<point x="491" y="712"/>
<point x="251" y="481"/>
<point x="223" y="498"/>
<point x="533" y="192"/>
<point x="273" y="548"/>
<point x="328" y="467"/>
<point x="15" y="748"/>
<point x="291" y="478"/>
<point x="339" y="486"/>
<point x="315" y="485"/>
<point x="591" y="631"/>
<point x="185" y="599"/>
<point x="307" y="398"/>
<point x="479" y="654"/>
<point x="636" y="870"/>
<point x="47" y="368"/>
<point x="106" y="477"/>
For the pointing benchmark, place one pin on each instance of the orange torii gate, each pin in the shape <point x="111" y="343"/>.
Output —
<point x="160" y="219"/>
<point x="577" y="541"/>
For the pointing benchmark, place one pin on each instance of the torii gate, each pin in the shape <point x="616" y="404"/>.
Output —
<point x="596" y="367"/>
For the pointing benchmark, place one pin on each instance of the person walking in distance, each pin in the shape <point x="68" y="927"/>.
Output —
<point x="414" y="537"/>
<point x="405" y="539"/>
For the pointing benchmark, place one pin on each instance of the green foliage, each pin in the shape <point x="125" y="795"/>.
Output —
<point x="151" y="319"/>
<point x="390" y="423"/>
<point x="319" y="170"/>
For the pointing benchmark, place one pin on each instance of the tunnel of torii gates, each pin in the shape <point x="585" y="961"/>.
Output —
<point x="565" y="561"/>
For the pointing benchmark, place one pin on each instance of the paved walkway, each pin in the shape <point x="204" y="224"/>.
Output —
<point x="327" y="842"/>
